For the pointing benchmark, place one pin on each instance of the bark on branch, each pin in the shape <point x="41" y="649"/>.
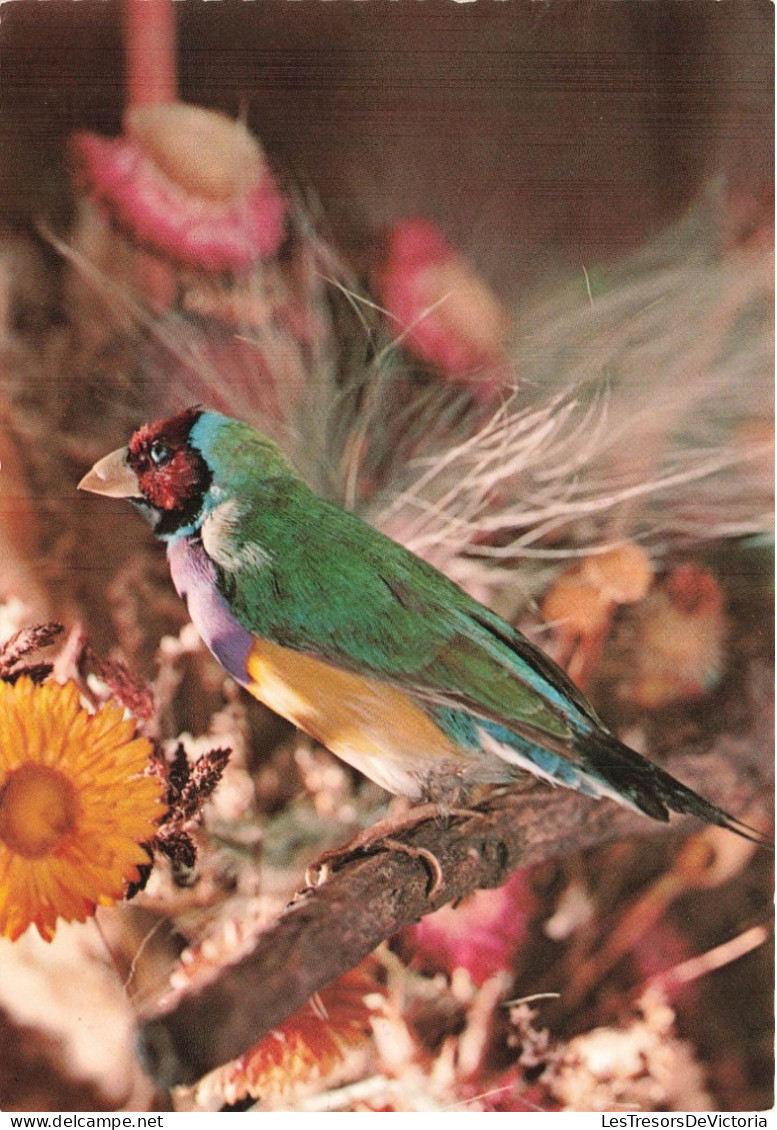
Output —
<point x="330" y="928"/>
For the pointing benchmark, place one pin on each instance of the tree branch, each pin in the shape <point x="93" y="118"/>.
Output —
<point x="330" y="928"/>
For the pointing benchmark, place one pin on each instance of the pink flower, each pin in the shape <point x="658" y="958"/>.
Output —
<point x="444" y="312"/>
<point x="481" y="934"/>
<point x="169" y="197"/>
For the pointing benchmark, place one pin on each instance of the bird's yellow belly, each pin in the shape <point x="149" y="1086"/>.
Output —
<point x="372" y="726"/>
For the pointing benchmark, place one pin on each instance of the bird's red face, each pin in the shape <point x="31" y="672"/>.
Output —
<point x="160" y="470"/>
<point x="169" y="472"/>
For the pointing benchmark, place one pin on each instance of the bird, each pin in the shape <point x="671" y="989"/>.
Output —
<point x="360" y="643"/>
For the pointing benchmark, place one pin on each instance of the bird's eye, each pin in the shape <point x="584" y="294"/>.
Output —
<point x="158" y="453"/>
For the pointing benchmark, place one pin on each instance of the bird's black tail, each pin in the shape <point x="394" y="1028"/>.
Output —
<point x="651" y="789"/>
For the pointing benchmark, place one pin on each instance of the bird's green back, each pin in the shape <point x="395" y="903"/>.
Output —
<point x="304" y="574"/>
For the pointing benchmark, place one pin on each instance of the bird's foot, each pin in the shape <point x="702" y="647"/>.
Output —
<point x="428" y="858"/>
<point x="382" y="836"/>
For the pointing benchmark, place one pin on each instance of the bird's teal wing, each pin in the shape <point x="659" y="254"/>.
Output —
<point x="304" y="574"/>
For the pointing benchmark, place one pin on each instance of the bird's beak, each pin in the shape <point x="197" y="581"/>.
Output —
<point x="113" y="477"/>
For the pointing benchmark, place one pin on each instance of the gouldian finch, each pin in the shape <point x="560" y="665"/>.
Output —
<point x="357" y="641"/>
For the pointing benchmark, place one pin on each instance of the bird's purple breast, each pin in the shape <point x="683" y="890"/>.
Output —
<point x="194" y="577"/>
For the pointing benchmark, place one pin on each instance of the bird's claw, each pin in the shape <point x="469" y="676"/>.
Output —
<point x="319" y="872"/>
<point x="382" y="837"/>
<point x="431" y="861"/>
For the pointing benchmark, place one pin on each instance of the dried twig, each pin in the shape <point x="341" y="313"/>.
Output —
<point x="330" y="928"/>
<point x="15" y="652"/>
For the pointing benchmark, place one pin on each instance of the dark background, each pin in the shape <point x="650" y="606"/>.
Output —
<point x="534" y="132"/>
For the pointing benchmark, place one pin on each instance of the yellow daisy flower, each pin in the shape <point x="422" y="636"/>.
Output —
<point x="76" y="804"/>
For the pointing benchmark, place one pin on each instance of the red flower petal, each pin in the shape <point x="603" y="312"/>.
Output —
<point x="206" y="234"/>
<point x="307" y="1046"/>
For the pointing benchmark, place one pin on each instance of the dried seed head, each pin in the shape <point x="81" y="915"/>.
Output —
<point x="468" y="307"/>
<point x="202" y="151"/>
<point x="578" y="607"/>
<point x="624" y="574"/>
<point x="679" y="640"/>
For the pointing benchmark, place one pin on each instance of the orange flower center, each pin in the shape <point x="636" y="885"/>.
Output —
<point x="38" y="806"/>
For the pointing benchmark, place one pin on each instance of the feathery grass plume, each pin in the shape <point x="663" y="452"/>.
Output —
<point x="641" y="410"/>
